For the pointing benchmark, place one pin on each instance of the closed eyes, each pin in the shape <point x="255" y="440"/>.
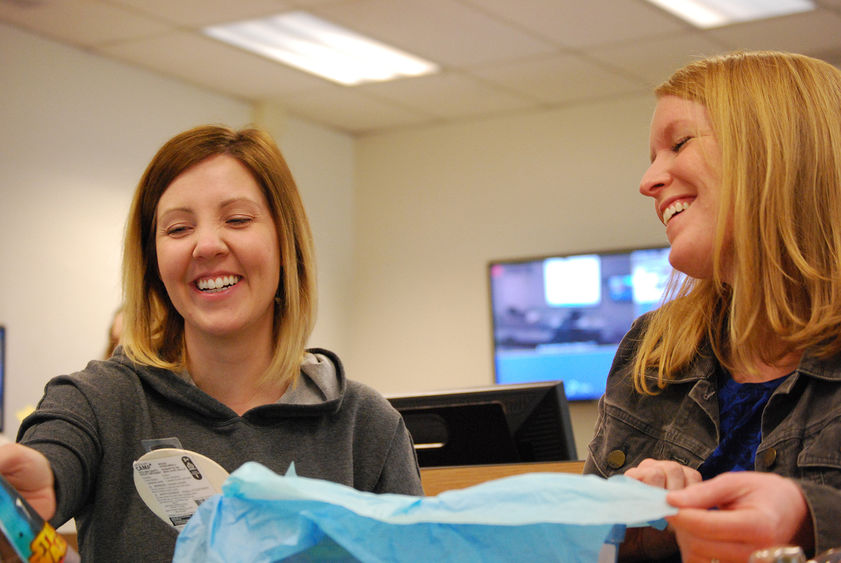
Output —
<point x="239" y="221"/>
<point x="681" y="143"/>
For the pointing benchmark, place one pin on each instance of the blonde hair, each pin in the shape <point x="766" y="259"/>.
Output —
<point x="777" y="119"/>
<point x="153" y="329"/>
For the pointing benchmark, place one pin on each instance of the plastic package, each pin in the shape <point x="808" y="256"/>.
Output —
<point x="25" y="535"/>
<point x="262" y="516"/>
<point x="780" y="554"/>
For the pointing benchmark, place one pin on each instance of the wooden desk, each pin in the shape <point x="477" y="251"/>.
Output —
<point x="439" y="479"/>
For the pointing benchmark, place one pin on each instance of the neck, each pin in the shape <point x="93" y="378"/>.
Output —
<point x="231" y="369"/>
<point x="769" y="372"/>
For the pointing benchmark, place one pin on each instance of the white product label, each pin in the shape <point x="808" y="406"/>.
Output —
<point x="178" y="484"/>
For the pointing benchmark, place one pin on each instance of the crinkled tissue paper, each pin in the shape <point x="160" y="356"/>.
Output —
<point x="265" y="517"/>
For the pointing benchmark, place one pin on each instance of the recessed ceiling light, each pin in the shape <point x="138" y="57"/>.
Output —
<point x="319" y="47"/>
<point x="716" y="13"/>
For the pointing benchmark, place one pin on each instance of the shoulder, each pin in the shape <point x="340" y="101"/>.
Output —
<point x="326" y="370"/>
<point x="636" y="332"/>
<point x="619" y="375"/>
<point x="115" y="379"/>
<point x="369" y="400"/>
<point x="99" y="374"/>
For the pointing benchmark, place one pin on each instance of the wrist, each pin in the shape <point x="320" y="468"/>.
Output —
<point x="804" y="535"/>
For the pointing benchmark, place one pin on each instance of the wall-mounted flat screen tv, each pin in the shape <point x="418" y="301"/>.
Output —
<point x="562" y="317"/>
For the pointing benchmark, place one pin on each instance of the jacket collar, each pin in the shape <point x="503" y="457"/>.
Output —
<point x="704" y="367"/>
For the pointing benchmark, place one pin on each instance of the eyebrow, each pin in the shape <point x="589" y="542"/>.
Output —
<point x="225" y="203"/>
<point x="668" y="132"/>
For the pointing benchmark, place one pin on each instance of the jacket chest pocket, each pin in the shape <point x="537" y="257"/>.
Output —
<point x="820" y="459"/>
<point x="625" y="441"/>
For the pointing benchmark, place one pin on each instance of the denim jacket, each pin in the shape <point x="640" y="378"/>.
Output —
<point x="801" y="428"/>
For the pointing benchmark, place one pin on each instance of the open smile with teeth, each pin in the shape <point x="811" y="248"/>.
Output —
<point x="673" y="210"/>
<point x="214" y="285"/>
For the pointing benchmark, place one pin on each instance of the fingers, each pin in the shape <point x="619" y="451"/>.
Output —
<point x="693" y="549"/>
<point x="668" y="475"/>
<point x="721" y="525"/>
<point x="737" y="490"/>
<point x="30" y="473"/>
<point x="716" y="492"/>
<point x="754" y="510"/>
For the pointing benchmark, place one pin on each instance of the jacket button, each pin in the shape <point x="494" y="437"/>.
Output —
<point x="769" y="456"/>
<point x="616" y="459"/>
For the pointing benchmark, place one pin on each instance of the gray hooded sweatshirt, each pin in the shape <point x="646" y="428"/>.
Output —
<point x="91" y="424"/>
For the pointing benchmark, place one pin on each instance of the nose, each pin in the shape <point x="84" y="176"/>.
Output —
<point x="656" y="177"/>
<point x="209" y="243"/>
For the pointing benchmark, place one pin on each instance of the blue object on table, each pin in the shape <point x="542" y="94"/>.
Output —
<point x="262" y="516"/>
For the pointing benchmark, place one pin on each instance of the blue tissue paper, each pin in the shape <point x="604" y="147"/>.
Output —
<point x="264" y="517"/>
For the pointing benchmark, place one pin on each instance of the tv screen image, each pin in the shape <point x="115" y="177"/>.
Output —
<point x="487" y="425"/>
<point x="562" y="317"/>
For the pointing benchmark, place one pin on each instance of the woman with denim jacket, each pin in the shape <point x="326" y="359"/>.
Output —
<point x="727" y="394"/>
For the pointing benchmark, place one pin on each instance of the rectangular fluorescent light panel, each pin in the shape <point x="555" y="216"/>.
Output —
<point x="716" y="13"/>
<point x="316" y="46"/>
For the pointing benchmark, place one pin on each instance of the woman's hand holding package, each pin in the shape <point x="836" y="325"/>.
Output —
<point x="30" y="473"/>
<point x="668" y="475"/>
<point x="753" y="511"/>
<point x="643" y="544"/>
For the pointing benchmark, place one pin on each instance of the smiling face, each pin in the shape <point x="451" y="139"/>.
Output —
<point x="218" y="252"/>
<point x="684" y="180"/>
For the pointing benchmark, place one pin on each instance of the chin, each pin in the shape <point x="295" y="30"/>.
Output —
<point x="693" y="268"/>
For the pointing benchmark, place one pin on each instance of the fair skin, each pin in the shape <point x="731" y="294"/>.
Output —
<point x="684" y="172"/>
<point x="754" y="510"/>
<point x="219" y="259"/>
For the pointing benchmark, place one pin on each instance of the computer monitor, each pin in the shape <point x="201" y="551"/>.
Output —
<point x="561" y="317"/>
<point x="487" y="425"/>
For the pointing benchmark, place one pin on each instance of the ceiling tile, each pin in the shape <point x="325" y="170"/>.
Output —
<point x="585" y="23"/>
<point x="497" y="55"/>
<point x="654" y="60"/>
<point x="79" y="22"/>
<point x="199" y="13"/>
<point x="215" y="65"/>
<point x="443" y="31"/>
<point x="448" y="95"/>
<point x="349" y="110"/>
<point x="800" y="33"/>
<point x="560" y="79"/>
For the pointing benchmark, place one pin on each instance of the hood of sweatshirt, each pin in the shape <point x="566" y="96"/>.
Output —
<point x="318" y="390"/>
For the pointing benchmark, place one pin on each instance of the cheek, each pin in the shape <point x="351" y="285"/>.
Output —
<point x="167" y="264"/>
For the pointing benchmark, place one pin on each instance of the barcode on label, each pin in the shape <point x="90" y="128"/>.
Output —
<point x="179" y="520"/>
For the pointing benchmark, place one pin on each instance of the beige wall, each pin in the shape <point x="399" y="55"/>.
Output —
<point x="433" y="206"/>
<point x="322" y="163"/>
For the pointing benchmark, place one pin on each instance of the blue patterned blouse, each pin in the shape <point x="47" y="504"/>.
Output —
<point x="740" y="407"/>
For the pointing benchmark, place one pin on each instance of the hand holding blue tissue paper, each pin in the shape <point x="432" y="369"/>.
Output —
<point x="262" y="516"/>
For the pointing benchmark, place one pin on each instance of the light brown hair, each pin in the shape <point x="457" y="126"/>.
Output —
<point x="777" y="119"/>
<point x="153" y="329"/>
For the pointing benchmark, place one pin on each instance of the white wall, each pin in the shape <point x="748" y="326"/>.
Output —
<point x="404" y="223"/>
<point x="78" y="131"/>
<point x="435" y="205"/>
<point x="322" y="163"/>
